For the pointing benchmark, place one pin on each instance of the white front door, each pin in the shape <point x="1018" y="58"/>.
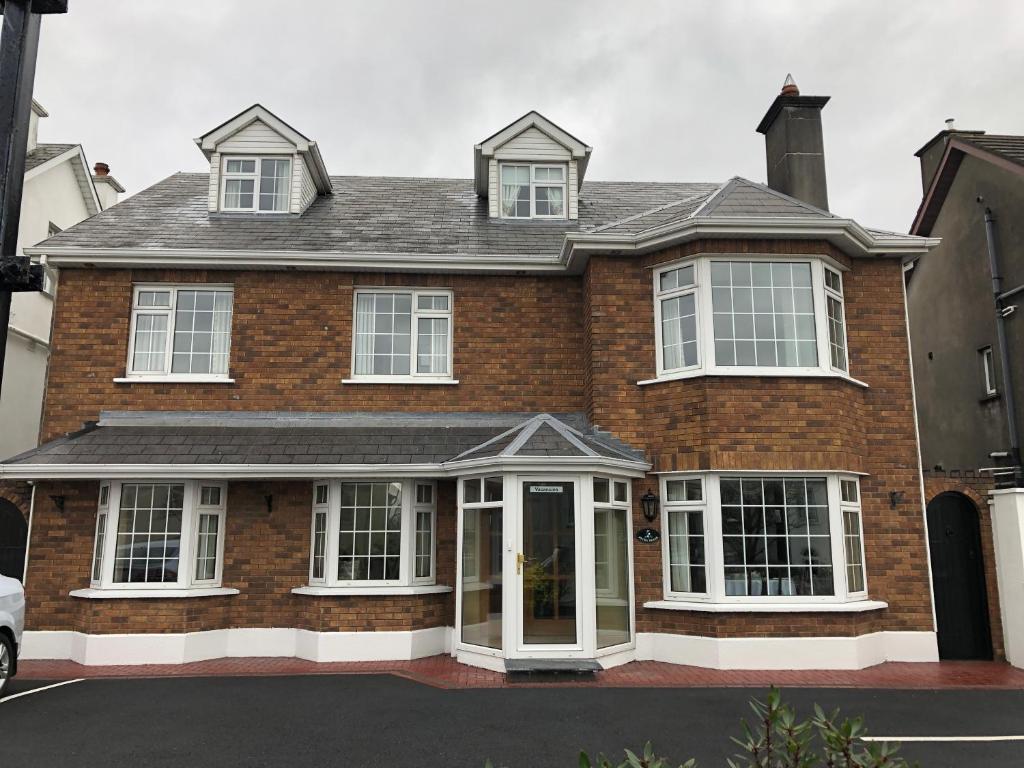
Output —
<point x="548" y="585"/>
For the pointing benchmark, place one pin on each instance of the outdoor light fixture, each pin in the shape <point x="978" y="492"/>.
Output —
<point x="895" y="497"/>
<point x="269" y="498"/>
<point x="650" y="505"/>
<point x="58" y="502"/>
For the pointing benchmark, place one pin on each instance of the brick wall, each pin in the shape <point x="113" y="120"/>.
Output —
<point x="265" y="557"/>
<point x="551" y="344"/>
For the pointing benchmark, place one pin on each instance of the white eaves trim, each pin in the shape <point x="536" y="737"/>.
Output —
<point x="316" y="471"/>
<point x="844" y="233"/>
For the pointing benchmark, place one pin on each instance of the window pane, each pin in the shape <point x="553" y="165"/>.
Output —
<point x="149" y="347"/>
<point x="493" y="488"/>
<point x="238" y="193"/>
<point x="275" y="178"/>
<point x="370" y="531"/>
<point x="149" y="533"/>
<point x="515" y="191"/>
<point x="320" y="542"/>
<point x="209" y="496"/>
<point x="154" y="299"/>
<point x="776" y="538"/>
<point x="471" y="490"/>
<point x="241" y="166"/>
<point x="432" y="345"/>
<point x="763" y="316"/>
<point x="202" y="332"/>
<point x="677" y="278"/>
<point x="383" y="335"/>
<point x="424" y="493"/>
<point x="611" y="565"/>
<point x="206" y="547"/>
<point x="481" y="577"/>
<point x="679" y="331"/>
<point x="97" y="555"/>
<point x="424" y="543"/>
<point x="601" y="490"/>
<point x="621" y="491"/>
<point x="687" y="572"/>
<point x="550" y="201"/>
<point x="836" y="333"/>
<point x="684" y="490"/>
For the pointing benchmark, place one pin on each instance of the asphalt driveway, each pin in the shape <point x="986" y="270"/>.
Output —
<point x="380" y="720"/>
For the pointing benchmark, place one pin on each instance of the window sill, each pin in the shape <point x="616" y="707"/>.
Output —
<point x="173" y="380"/>
<point x="858" y="606"/>
<point x="399" y="380"/>
<point x="761" y="372"/>
<point x="150" y="594"/>
<point x="424" y="589"/>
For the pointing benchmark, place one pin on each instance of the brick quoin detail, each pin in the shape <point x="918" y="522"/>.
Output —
<point x="555" y="344"/>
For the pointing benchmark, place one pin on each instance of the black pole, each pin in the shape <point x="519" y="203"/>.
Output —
<point x="992" y="239"/>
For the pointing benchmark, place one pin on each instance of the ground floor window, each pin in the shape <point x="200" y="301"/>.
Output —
<point x="753" y="538"/>
<point x="611" y="561"/>
<point x="369" y="533"/>
<point x="159" y="535"/>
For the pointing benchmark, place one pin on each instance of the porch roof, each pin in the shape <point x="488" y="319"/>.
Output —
<point x="298" y="444"/>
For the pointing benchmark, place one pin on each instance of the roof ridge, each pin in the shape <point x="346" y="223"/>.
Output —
<point x="656" y="209"/>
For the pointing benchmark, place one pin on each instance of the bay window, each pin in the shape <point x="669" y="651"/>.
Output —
<point x="180" y="331"/>
<point x="745" y="537"/>
<point x="482" y="513"/>
<point x="372" y="533"/>
<point x="533" y="191"/>
<point x="159" y="535"/>
<point x="749" y="316"/>
<point x="612" y="545"/>
<point x="402" y="333"/>
<point x="255" y="184"/>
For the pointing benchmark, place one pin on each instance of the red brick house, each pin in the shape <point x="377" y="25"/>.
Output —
<point x="518" y="417"/>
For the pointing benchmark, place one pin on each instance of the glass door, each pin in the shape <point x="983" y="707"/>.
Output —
<point x="547" y="564"/>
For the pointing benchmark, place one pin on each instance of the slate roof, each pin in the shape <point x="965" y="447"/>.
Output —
<point x="43" y="153"/>
<point x="401" y="215"/>
<point x="546" y="435"/>
<point x="388" y="438"/>
<point x="1008" y="147"/>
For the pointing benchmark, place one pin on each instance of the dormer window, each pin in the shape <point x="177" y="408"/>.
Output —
<point x="531" y="191"/>
<point x="256" y="184"/>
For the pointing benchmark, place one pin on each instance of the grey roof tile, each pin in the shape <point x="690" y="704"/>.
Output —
<point x="44" y="153"/>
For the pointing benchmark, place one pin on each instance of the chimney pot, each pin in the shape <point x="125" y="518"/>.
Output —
<point x="949" y="123"/>
<point x="101" y="169"/>
<point x="789" y="87"/>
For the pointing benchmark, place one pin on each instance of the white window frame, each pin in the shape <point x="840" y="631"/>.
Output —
<point x="666" y="555"/>
<point x="707" y="365"/>
<point x="714" y="550"/>
<point x="191" y="509"/>
<point x="170" y="311"/>
<point x="323" y="508"/>
<point x="614" y="504"/>
<point x="854" y="506"/>
<point x="838" y="296"/>
<point x="445" y="377"/>
<point x="407" y="565"/>
<point x="256" y="177"/>
<point x="534" y="183"/>
<point x="431" y="509"/>
<point x="100" y="535"/>
<point x="988" y="371"/>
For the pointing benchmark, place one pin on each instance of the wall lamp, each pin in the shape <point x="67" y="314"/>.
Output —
<point x="895" y="497"/>
<point x="58" y="502"/>
<point x="649" y="502"/>
<point x="269" y="498"/>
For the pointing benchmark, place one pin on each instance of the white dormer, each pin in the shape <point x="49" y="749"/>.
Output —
<point x="531" y="169"/>
<point x="260" y="164"/>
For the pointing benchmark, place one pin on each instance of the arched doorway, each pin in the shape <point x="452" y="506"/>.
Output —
<point x="958" y="575"/>
<point x="13" y="537"/>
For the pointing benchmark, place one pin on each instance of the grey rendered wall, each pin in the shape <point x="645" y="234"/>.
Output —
<point x="952" y="315"/>
<point x="24" y="375"/>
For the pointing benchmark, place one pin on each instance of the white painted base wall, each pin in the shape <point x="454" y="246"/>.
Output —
<point x="104" y="650"/>
<point x="1008" y="536"/>
<point x="714" y="653"/>
<point x="788" y="652"/>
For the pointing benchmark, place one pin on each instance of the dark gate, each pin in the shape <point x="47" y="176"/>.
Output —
<point x="958" y="574"/>
<point x="13" y="536"/>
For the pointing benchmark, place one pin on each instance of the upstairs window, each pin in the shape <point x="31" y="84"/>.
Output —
<point x="532" y="191"/>
<point x="255" y="184"/>
<point x="180" y="331"/>
<point x="749" y="316"/>
<point x="403" y="334"/>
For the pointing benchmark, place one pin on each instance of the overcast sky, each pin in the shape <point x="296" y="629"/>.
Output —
<point x="666" y="91"/>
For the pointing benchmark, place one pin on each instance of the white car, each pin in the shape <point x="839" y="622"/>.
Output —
<point x="12" y="624"/>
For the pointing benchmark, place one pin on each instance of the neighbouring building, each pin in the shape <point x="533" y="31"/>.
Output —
<point x="518" y="417"/>
<point x="965" y="329"/>
<point x="59" y="191"/>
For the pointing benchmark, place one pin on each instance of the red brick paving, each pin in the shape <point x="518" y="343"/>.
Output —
<point x="445" y="672"/>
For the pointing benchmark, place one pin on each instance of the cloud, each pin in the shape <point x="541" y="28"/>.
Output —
<point x="661" y="90"/>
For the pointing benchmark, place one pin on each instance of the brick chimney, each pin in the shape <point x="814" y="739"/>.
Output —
<point x="107" y="187"/>
<point x="794" y="146"/>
